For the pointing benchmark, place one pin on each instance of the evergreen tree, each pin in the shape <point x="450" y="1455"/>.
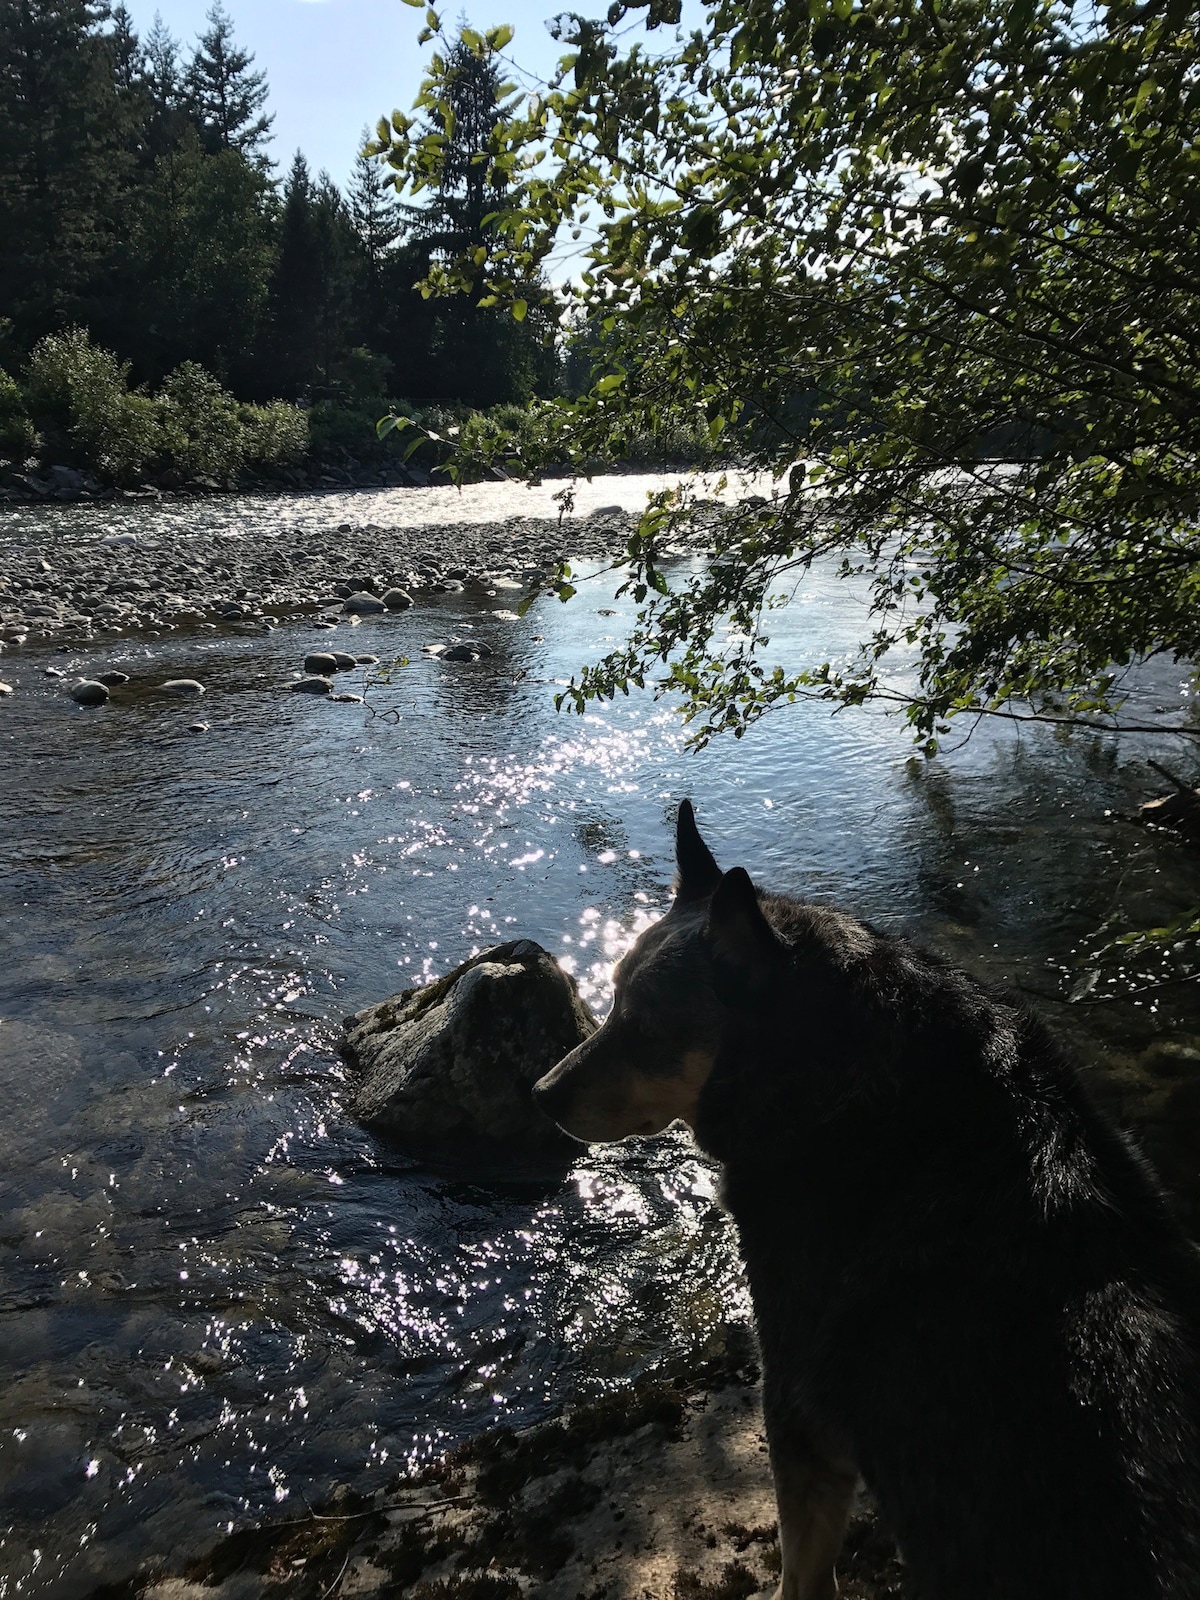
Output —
<point x="482" y="356"/>
<point x="317" y="279"/>
<point x="378" y="220"/>
<point x="377" y="215"/>
<point x="63" y="158"/>
<point x="468" y="189"/>
<point x="165" y="89"/>
<point x="199" y="260"/>
<point x="226" y="98"/>
<point x="128" y="66"/>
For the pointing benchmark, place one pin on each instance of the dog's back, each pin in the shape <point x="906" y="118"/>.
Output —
<point x="966" y="1281"/>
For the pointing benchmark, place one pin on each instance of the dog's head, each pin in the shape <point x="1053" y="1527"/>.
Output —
<point x="677" y="992"/>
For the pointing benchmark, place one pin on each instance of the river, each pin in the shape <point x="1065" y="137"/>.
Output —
<point x="219" y="1296"/>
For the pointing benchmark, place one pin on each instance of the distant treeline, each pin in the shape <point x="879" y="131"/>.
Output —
<point x="137" y="203"/>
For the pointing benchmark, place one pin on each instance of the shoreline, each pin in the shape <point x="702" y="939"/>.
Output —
<point x="71" y="594"/>
<point x="659" y="1492"/>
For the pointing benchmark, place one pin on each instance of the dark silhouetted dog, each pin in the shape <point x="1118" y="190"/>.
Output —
<point x="969" y="1289"/>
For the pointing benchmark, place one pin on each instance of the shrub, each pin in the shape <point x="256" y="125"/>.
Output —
<point x="203" y="436"/>
<point x="79" y="395"/>
<point x="274" y="434"/>
<point x="18" y="437"/>
<point x="335" y="427"/>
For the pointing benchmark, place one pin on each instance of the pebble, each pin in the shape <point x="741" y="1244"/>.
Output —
<point x="321" y="663"/>
<point x="232" y="613"/>
<point x="363" y="605"/>
<point x="182" y="687"/>
<point x="89" y="693"/>
<point x="312" y="686"/>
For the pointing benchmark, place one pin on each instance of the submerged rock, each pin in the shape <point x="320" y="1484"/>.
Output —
<point x="182" y="687"/>
<point x="447" y="1070"/>
<point x="88" y="693"/>
<point x="315" y="685"/>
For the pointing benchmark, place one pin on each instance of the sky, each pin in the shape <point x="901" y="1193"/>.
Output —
<point x="333" y="65"/>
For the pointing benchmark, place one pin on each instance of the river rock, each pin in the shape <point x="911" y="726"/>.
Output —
<point x="320" y="662"/>
<point x="183" y="687"/>
<point x="446" y="1070"/>
<point x="397" y="599"/>
<point x="112" y="679"/>
<point x="363" y="604"/>
<point x="312" y="686"/>
<point x="89" y="693"/>
<point x="343" y="660"/>
<point x="5" y="690"/>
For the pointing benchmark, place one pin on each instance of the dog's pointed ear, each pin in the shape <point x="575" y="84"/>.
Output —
<point x="738" y="931"/>
<point x="697" y="874"/>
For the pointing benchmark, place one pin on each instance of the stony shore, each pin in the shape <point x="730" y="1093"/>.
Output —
<point x="659" y="1493"/>
<point x="70" y="593"/>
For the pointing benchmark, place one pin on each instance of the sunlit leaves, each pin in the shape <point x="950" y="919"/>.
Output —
<point x="879" y="246"/>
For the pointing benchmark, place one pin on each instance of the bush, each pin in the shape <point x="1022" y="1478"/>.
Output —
<point x="18" y="436"/>
<point x="79" y="395"/>
<point x="274" y="434"/>
<point x="203" y="435"/>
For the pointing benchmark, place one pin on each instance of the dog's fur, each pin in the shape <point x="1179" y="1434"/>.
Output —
<point x="969" y="1289"/>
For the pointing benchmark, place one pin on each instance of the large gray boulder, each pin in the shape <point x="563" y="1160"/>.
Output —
<point x="446" y="1070"/>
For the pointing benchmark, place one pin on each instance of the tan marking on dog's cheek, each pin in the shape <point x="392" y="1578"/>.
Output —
<point x="660" y="1101"/>
<point x="599" y="1108"/>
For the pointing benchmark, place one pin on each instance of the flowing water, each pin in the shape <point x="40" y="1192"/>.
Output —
<point x="218" y="1296"/>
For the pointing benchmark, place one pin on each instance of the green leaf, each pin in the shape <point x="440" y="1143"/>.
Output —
<point x="519" y="308"/>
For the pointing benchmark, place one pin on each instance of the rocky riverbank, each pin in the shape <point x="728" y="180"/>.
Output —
<point x="71" y="592"/>
<point x="659" y="1493"/>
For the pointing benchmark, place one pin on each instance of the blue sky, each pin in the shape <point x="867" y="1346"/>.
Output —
<point x="333" y="65"/>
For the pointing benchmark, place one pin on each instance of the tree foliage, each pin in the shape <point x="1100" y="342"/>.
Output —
<point x="137" y="203"/>
<point x="224" y="95"/>
<point x="458" y="126"/>
<point x="937" y="263"/>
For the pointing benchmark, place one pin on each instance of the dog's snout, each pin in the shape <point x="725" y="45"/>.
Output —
<point x="548" y="1092"/>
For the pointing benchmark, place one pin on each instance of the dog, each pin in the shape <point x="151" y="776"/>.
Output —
<point x="970" y="1291"/>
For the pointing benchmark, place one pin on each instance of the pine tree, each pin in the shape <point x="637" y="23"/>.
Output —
<point x="224" y="95"/>
<point x="483" y="356"/>
<point x="466" y="195"/>
<point x="128" y="64"/>
<point x="379" y="221"/>
<point x="318" y="272"/>
<point x="377" y="214"/>
<point x="63" y="158"/>
<point x="163" y="77"/>
<point x="200" y="257"/>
